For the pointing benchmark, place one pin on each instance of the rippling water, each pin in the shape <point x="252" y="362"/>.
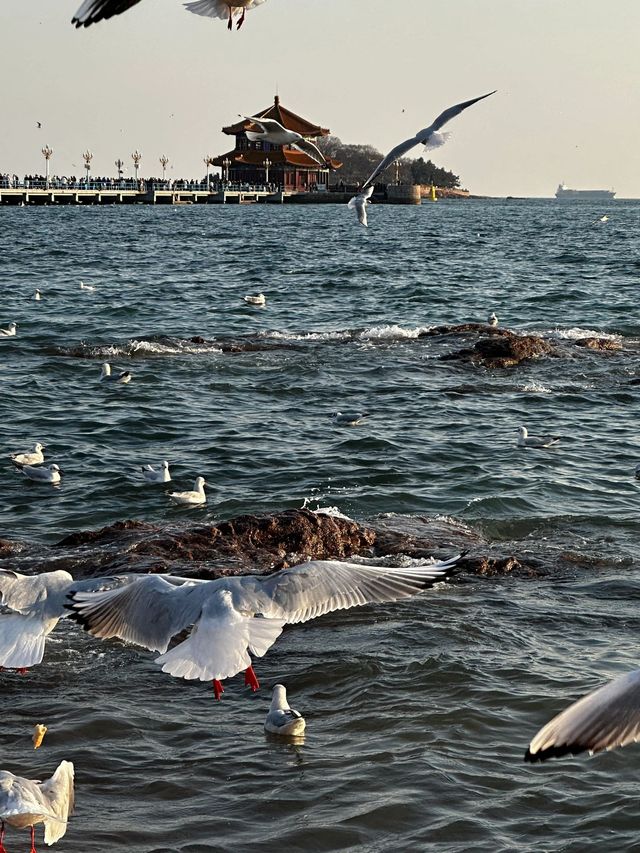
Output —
<point x="418" y="713"/>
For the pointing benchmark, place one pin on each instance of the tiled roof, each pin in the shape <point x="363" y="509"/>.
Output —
<point x="286" y="118"/>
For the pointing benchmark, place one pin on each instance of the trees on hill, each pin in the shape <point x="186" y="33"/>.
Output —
<point x="359" y="161"/>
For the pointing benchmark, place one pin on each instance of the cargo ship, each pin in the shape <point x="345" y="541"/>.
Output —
<point x="565" y="194"/>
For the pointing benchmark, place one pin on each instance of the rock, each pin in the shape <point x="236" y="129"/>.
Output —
<point x="506" y="350"/>
<point x="111" y="533"/>
<point x="599" y="343"/>
<point x="465" y="329"/>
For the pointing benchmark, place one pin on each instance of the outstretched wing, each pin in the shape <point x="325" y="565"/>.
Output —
<point x="93" y="11"/>
<point x="448" y="114"/>
<point x="216" y="8"/>
<point x="321" y="586"/>
<point x="310" y="150"/>
<point x="605" y="719"/>
<point x="268" y="125"/>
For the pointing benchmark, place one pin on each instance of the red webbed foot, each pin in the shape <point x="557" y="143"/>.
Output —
<point x="251" y="679"/>
<point x="33" y="840"/>
<point x="218" y="689"/>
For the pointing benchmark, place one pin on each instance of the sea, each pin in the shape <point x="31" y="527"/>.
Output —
<point x="418" y="712"/>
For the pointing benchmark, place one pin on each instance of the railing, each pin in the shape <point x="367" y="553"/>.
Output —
<point x="131" y="185"/>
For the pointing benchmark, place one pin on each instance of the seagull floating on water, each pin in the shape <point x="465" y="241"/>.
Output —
<point x="84" y="286"/>
<point x="526" y="440"/>
<point x="42" y="475"/>
<point x="428" y="136"/>
<point x="604" y="218"/>
<point x="256" y="299"/>
<point x="197" y="496"/>
<point x="120" y="378"/>
<point x="29" y="457"/>
<point x="233" y="617"/>
<point x="153" y="475"/>
<point x="9" y="332"/>
<point x="282" y="719"/>
<point x="493" y="320"/>
<point x="26" y="802"/>
<point x="92" y="11"/>
<point x="37" y="296"/>
<point x="274" y="133"/>
<point x="348" y="418"/>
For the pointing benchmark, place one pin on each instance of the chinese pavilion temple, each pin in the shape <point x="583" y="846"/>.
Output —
<point x="261" y="162"/>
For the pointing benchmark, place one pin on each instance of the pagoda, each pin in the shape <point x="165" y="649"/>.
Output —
<point x="261" y="162"/>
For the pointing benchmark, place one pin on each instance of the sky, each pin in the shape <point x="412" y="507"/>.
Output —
<point x="164" y="81"/>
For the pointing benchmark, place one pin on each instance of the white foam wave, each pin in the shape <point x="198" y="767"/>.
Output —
<point x="380" y="333"/>
<point x="536" y="388"/>
<point x="392" y="332"/>
<point x="577" y="332"/>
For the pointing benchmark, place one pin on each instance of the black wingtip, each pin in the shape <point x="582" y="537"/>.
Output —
<point x="553" y="752"/>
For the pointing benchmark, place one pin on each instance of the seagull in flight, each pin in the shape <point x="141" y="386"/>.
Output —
<point x="38" y="124"/>
<point x="272" y="131"/>
<point x="360" y="202"/>
<point x="92" y="11"/>
<point x="428" y="136"/>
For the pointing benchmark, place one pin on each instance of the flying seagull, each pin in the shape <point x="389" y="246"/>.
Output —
<point x="92" y="11"/>
<point x="272" y="131"/>
<point x="428" y="136"/>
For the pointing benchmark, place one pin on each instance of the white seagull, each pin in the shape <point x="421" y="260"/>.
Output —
<point x="602" y="720"/>
<point x="119" y="378"/>
<point x="26" y="802"/>
<point x="9" y="332"/>
<point x="42" y="475"/>
<point x="197" y="496"/>
<point x="348" y="418"/>
<point x="428" y="136"/>
<point x="273" y="132"/>
<point x="526" y="440"/>
<point x="255" y="299"/>
<point x="282" y="719"/>
<point x="88" y="287"/>
<point x="153" y="475"/>
<point x="93" y="11"/>
<point x="37" y="296"/>
<point x="29" y="457"/>
<point x="360" y="202"/>
<point x="232" y="617"/>
<point x="492" y="320"/>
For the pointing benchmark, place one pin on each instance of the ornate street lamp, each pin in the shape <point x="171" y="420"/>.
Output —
<point x="267" y="163"/>
<point x="46" y="153"/>
<point x="136" y="157"/>
<point x="87" y="157"/>
<point x="163" y="162"/>
<point x="226" y="163"/>
<point x="119" y="164"/>
<point x="208" y="161"/>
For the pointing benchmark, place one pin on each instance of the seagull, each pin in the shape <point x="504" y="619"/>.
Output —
<point x="39" y="125"/>
<point x="25" y="802"/>
<point x="273" y="132"/>
<point x="231" y="617"/>
<point x="118" y="378"/>
<point x="602" y="720"/>
<point x="33" y="457"/>
<point x="525" y="440"/>
<point x="348" y="418"/>
<point x="10" y="332"/>
<point x="604" y="218"/>
<point x="360" y="202"/>
<point x="153" y="475"/>
<point x="492" y="320"/>
<point x="281" y="719"/>
<point x="42" y="475"/>
<point x="197" y="496"/>
<point x="428" y="136"/>
<point x="92" y="11"/>
<point x="256" y="299"/>
<point x="88" y="287"/>
<point x="37" y="296"/>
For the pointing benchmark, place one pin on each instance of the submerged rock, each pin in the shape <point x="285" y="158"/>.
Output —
<point x="605" y="344"/>
<point x="505" y="350"/>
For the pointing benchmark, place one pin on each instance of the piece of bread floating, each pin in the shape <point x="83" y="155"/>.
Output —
<point x="39" y="731"/>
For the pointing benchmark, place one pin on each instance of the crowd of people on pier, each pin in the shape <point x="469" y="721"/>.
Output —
<point x="71" y="182"/>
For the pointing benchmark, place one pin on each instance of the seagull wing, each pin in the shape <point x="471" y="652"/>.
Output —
<point x="421" y="136"/>
<point x="58" y="793"/>
<point x="310" y="150"/>
<point x="321" y="586"/>
<point x="605" y="719"/>
<point x="93" y="11"/>
<point x="268" y="125"/>
<point x="216" y="8"/>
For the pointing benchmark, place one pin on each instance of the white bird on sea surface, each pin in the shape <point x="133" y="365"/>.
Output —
<point x="526" y="440"/>
<point x="274" y="133"/>
<point x="92" y="11"/>
<point x="604" y="218"/>
<point x="197" y="496"/>
<point x="605" y="719"/>
<point x="233" y="617"/>
<point x="88" y="287"/>
<point x="29" y="457"/>
<point x="37" y="296"/>
<point x="153" y="475"/>
<point x="348" y="418"/>
<point x="9" y="332"/>
<point x="428" y="136"/>
<point x="493" y="320"/>
<point x="255" y="299"/>
<point x="282" y="719"/>
<point x="26" y="802"/>
<point x="120" y="378"/>
<point x="360" y="202"/>
<point x="42" y="475"/>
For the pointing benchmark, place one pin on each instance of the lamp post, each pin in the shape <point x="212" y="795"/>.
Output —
<point x="119" y="164"/>
<point x="46" y="153"/>
<point x="87" y="157"/>
<point x="163" y="162"/>
<point x="267" y="163"/>
<point x="208" y="161"/>
<point x="136" y="157"/>
<point x="226" y="163"/>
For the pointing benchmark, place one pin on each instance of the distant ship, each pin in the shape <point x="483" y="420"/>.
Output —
<point x="565" y="194"/>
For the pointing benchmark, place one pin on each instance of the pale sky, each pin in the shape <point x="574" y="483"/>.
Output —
<point x="165" y="81"/>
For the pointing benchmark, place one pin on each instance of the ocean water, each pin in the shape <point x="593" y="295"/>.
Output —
<point x="418" y="713"/>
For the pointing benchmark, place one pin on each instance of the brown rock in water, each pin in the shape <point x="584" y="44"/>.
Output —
<point x="111" y="533"/>
<point x="599" y="343"/>
<point x="466" y="328"/>
<point x="506" y="350"/>
<point x="7" y="548"/>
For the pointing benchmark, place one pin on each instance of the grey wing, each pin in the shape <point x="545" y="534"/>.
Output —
<point x="605" y="719"/>
<point x="39" y="596"/>
<point x="93" y="11"/>
<point x="310" y="150"/>
<point x="450" y="113"/>
<point x="321" y="586"/>
<point x="269" y="125"/>
<point x="391" y="158"/>
<point x="148" y="611"/>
